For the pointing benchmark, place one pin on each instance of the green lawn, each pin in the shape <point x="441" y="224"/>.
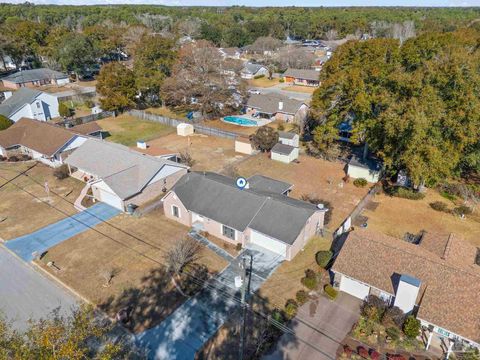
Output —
<point x="126" y="129"/>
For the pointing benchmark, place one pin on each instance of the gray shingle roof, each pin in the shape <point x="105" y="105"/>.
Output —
<point x="270" y="103"/>
<point x="34" y="75"/>
<point x="217" y="197"/>
<point x="286" y="135"/>
<point x="125" y="171"/>
<point x="368" y="163"/>
<point x="250" y="68"/>
<point x="17" y="100"/>
<point x="311" y="75"/>
<point x="283" y="149"/>
<point x="266" y="184"/>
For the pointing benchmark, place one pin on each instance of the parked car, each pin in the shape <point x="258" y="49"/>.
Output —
<point x="254" y="91"/>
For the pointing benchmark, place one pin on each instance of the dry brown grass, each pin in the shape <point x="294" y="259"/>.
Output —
<point x="22" y="212"/>
<point x="164" y="111"/>
<point x="263" y="82"/>
<point x="141" y="281"/>
<point x="311" y="176"/>
<point x="219" y="124"/>
<point x="209" y="152"/>
<point x="285" y="281"/>
<point x="395" y="216"/>
<point x="300" y="89"/>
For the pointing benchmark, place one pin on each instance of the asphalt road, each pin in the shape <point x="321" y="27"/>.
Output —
<point x="27" y="294"/>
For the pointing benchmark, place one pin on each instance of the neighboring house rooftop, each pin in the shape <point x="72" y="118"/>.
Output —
<point x="305" y="74"/>
<point x="34" y="75"/>
<point x="217" y="197"/>
<point x="230" y="51"/>
<point x="18" y="99"/>
<point x="286" y="135"/>
<point x="283" y="149"/>
<point x="252" y="68"/>
<point x="270" y="103"/>
<point x="125" y="171"/>
<point x="450" y="279"/>
<point x="36" y="135"/>
<point x="265" y="184"/>
<point x="87" y="128"/>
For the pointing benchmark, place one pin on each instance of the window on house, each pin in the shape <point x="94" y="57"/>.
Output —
<point x="38" y="105"/>
<point x="228" y="232"/>
<point x="175" y="211"/>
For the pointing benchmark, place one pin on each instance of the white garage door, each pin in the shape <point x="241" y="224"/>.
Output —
<point x="354" y="288"/>
<point x="268" y="243"/>
<point x="110" y="199"/>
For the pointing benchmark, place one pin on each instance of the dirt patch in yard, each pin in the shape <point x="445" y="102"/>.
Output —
<point x="311" y="176"/>
<point x="21" y="212"/>
<point x="140" y="281"/>
<point x="209" y="152"/>
<point x="395" y="216"/>
<point x="222" y="125"/>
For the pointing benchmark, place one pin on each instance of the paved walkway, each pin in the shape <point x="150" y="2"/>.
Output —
<point x="26" y="294"/>
<point x="78" y="203"/>
<point x="325" y="324"/>
<point x="217" y="249"/>
<point x="185" y="331"/>
<point x="53" y="234"/>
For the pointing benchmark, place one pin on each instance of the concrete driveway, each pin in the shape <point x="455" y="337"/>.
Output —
<point x="53" y="234"/>
<point x="26" y="294"/>
<point x="325" y="324"/>
<point x="185" y="331"/>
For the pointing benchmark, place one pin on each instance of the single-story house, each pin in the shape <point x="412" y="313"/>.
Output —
<point x="230" y="53"/>
<point x="305" y="77"/>
<point x="120" y="176"/>
<point x="288" y="138"/>
<point x="213" y="203"/>
<point x="250" y="70"/>
<point x="277" y="107"/>
<point x="268" y="185"/>
<point x="34" y="77"/>
<point x="30" y="103"/>
<point x="435" y="277"/>
<point x="284" y="153"/>
<point x="368" y="169"/>
<point x="45" y="142"/>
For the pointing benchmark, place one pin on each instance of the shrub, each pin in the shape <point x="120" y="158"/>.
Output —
<point x="375" y="355"/>
<point x="24" y="157"/>
<point x="277" y="315"/>
<point x="448" y="195"/>
<point x="301" y="296"/>
<point x="310" y="283"/>
<point x="13" y="158"/>
<point x="258" y="76"/>
<point x="238" y="247"/>
<point x="373" y="308"/>
<point x="404" y="193"/>
<point x="462" y="210"/>
<point x="439" y="206"/>
<point x="89" y="103"/>
<point x="360" y="182"/>
<point x="411" y="327"/>
<point x="323" y="258"/>
<point x="281" y="127"/>
<point x="5" y="122"/>
<point x="61" y="172"/>
<point x="393" y="316"/>
<point x="393" y="333"/>
<point x="264" y="138"/>
<point x="291" y="308"/>
<point x="281" y="80"/>
<point x="330" y="291"/>
<point x="362" y="352"/>
<point x="64" y="110"/>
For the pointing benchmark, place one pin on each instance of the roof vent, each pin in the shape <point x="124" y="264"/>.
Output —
<point x="280" y="105"/>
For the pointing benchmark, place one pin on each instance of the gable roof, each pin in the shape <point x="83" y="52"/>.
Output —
<point x="266" y="184"/>
<point x="87" y="128"/>
<point x="36" y="135"/>
<point x="251" y="68"/>
<point x="24" y="76"/>
<point x="283" y="149"/>
<point x="18" y="99"/>
<point x="448" y="295"/>
<point x="269" y="103"/>
<point x="125" y="171"/>
<point x="306" y="74"/>
<point x="218" y="198"/>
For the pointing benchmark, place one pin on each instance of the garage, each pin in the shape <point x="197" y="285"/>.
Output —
<point x="354" y="287"/>
<point x="268" y="243"/>
<point x="109" y="198"/>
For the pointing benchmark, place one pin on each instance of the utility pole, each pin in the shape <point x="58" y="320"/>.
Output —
<point x="244" y="291"/>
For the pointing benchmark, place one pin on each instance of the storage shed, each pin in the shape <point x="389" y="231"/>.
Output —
<point x="243" y="145"/>
<point x="368" y="169"/>
<point x="184" y="129"/>
<point x="284" y="153"/>
<point x="288" y="138"/>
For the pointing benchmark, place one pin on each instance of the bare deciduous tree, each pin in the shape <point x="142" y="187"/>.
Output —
<point x="295" y="57"/>
<point x="186" y="251"/>
<point x="265" y="44"/>
<point x="403" y="31"/>
<point x="186" y="158"/>
<point x="331" y="34"/>
<point x="108" y="274"/>
<point x="189" y="27"/>
<point x="469" y="196"/>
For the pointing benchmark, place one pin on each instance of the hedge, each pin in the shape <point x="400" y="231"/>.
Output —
<point x="258" y="76"/>
<point x="323" y="258"/>
<point x="330" y="291"/>
<point x="360" y="182"/>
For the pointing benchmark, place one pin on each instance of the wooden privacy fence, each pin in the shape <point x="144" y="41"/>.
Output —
<point x="200" y="129"/>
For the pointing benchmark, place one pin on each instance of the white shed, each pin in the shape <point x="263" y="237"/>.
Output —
<point x="284" y="153"/>
<point x="184" y="129"/>
<point x="243" y="145"/>
<point x="367" y="169"/>
<point x="288" y="138"/>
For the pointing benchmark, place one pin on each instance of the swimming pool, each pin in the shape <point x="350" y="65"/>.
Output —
<point x="240" y="121"/>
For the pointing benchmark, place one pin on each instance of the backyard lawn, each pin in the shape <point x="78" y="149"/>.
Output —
<point x="300" y="89"/>
<point x="126" y="129"/>
<point x="164" y="111"/>
<point x="21" y="213"/>
<point x="140" y="281"/>
<point x="395" y="217"/>
<point x="311" y="176"/>
<point x="263" y="82"/>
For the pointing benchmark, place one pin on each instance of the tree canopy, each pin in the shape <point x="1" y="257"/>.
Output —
<point x="116" y="86"/>
<point x="416" y="105"/>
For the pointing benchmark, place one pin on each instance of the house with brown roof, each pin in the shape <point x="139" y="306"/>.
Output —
<point x="306" y="77"/>
<point x="42" y="141"/>
<point x="436" y="277"/>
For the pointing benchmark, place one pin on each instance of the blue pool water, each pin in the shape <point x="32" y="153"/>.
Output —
<point x="240" y="121"/>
